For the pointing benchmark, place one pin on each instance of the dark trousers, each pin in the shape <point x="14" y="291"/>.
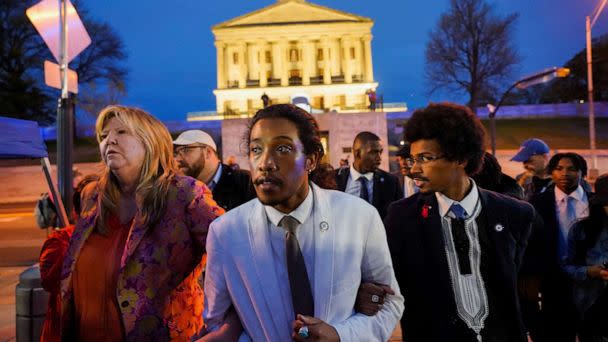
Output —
<point x="559" y="316"/>
<point x="594" y="325"/>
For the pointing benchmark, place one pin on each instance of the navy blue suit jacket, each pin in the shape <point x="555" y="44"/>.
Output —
<point x="386" y="188"/>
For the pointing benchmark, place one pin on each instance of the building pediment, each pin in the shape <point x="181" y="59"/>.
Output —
<point x="289" y="12"/>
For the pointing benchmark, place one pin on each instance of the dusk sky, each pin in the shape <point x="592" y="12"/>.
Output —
<point x="172" y="57"/>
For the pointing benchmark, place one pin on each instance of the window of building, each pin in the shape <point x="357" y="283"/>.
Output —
<point x="268" y="57"/>
<point x="352" y="53"/>
<point x="294" y="55"/>
<point x="319" y="54"/>
<point x="235" y="58"/>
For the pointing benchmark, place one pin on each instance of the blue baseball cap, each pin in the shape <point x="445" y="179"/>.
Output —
<point x="530" y="148"/>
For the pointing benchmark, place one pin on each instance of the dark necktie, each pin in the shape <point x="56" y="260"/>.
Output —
<point x="461" y="240"/>
<point x="301" y="293"/>
<point x="363" y="193"/>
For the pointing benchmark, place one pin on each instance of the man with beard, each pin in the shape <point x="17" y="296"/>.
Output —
<point x="562" y="204"/>
<point x="291" y="262"/>
<point x="196" y="156"/>
<point x="456" y="247"/>
<point x="533" y="153"/>
<point x="404" y="174"/>
<point x="364" y="179"/>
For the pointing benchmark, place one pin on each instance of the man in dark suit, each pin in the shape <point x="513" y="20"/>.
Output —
<point x="364" y="179"/>
<point x="563" y="203"/>
<point x="456" y="248"/>
<point x="196" y="155"/>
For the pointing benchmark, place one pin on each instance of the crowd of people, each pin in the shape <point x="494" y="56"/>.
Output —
<point x="171" y="243"/>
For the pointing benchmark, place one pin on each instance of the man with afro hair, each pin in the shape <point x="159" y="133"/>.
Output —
<point x="456" y="248"/>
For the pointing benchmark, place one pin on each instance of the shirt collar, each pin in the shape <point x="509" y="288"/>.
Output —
<point x="578" y="194"/>
<point x="468" y="202"/>
<point x="217" y="175"/>
<point x="301" y="213"/>
<point x="356" y="174"/>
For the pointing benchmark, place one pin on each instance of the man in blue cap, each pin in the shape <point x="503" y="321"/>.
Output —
<point x="534" y="154"/>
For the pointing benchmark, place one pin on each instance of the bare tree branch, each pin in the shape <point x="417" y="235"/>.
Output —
<point x="471" y="51"/>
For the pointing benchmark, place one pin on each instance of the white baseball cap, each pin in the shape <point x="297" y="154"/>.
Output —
<point x="195" y="136"/>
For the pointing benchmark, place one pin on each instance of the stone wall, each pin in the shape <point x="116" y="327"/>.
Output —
<point x="341" y="129"/>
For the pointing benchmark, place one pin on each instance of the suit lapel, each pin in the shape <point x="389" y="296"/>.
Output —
<point x="324" y="235"/>
<point x="342" y="178"/>
<point x="495" y="229"/>
<point x="432" y="238"/>
<point x="263" y="260"/>
<point x="376" y="188"/>
<point x="551" y="207"/>
<point x="136" y="234"/>
<point x="434" y="270"/>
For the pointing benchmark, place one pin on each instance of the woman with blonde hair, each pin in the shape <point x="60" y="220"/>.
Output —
<point x="131" y="269"/>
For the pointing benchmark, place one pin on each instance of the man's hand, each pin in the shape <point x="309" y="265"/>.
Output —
<point x="524" y="177"/>
<point x="370" y="298"/>
<point x="317" y="330"/>
<point x="229" y="331"/>
<point x="598" y="272"/>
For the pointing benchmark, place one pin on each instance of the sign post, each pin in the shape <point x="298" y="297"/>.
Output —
<point x="54" y="19"/>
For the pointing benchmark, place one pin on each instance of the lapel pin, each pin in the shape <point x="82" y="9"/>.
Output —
<point x="381" y="179"/>
<point x="324" y="226"/>
<point x="499" y="227"/>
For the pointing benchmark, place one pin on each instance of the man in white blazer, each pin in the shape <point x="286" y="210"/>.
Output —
<point x="339" y="241"/>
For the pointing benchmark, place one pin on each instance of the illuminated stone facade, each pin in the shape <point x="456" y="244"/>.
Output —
<point x="294" y="48"/>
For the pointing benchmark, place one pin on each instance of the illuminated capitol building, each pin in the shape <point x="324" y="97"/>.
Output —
<point x="296" y="49"/>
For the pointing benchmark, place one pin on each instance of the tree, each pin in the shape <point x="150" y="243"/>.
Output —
<point x="22" y="53"/>
<point x="23" y="93"/>
<point x="471" y="52"/>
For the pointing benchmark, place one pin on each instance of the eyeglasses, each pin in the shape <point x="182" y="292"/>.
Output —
<point x="422" y="159"/>
<point x="183" y="150"/>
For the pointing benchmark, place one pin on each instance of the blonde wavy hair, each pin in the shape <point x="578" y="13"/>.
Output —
<point x="157" y="171"/>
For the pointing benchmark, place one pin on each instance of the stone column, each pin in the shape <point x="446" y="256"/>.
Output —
<point x="277" y="62"/>
<point x="346" y="59"/>
<point x="221" y="65"/>
<point x="367" y="50"/>
<point x="262" y="64"/>
<point x="242" y="49"/>
<point x="306" y="61"/>
<point x="326" y="61"/>
<point x="284" y="59"/>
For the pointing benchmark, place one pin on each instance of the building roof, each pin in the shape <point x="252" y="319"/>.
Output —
<point x="289" y="12"/>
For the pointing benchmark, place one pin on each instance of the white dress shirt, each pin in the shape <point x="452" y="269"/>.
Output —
<point x="469" y="289"/>
<point x="581" y="207"/>
<point x="409" y="187"/>
<point x="353" y="186"/>
<point x="305" y="235"/>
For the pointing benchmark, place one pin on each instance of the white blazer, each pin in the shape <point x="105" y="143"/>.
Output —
<point x="350" y="248"/>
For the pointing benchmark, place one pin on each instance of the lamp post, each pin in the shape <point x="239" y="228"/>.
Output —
<point x="539" y="77"/>
<point x="589" y="22"/>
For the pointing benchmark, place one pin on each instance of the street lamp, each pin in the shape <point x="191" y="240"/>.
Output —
<point x="537" y="78"/>
<point x="589" y="24"/>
